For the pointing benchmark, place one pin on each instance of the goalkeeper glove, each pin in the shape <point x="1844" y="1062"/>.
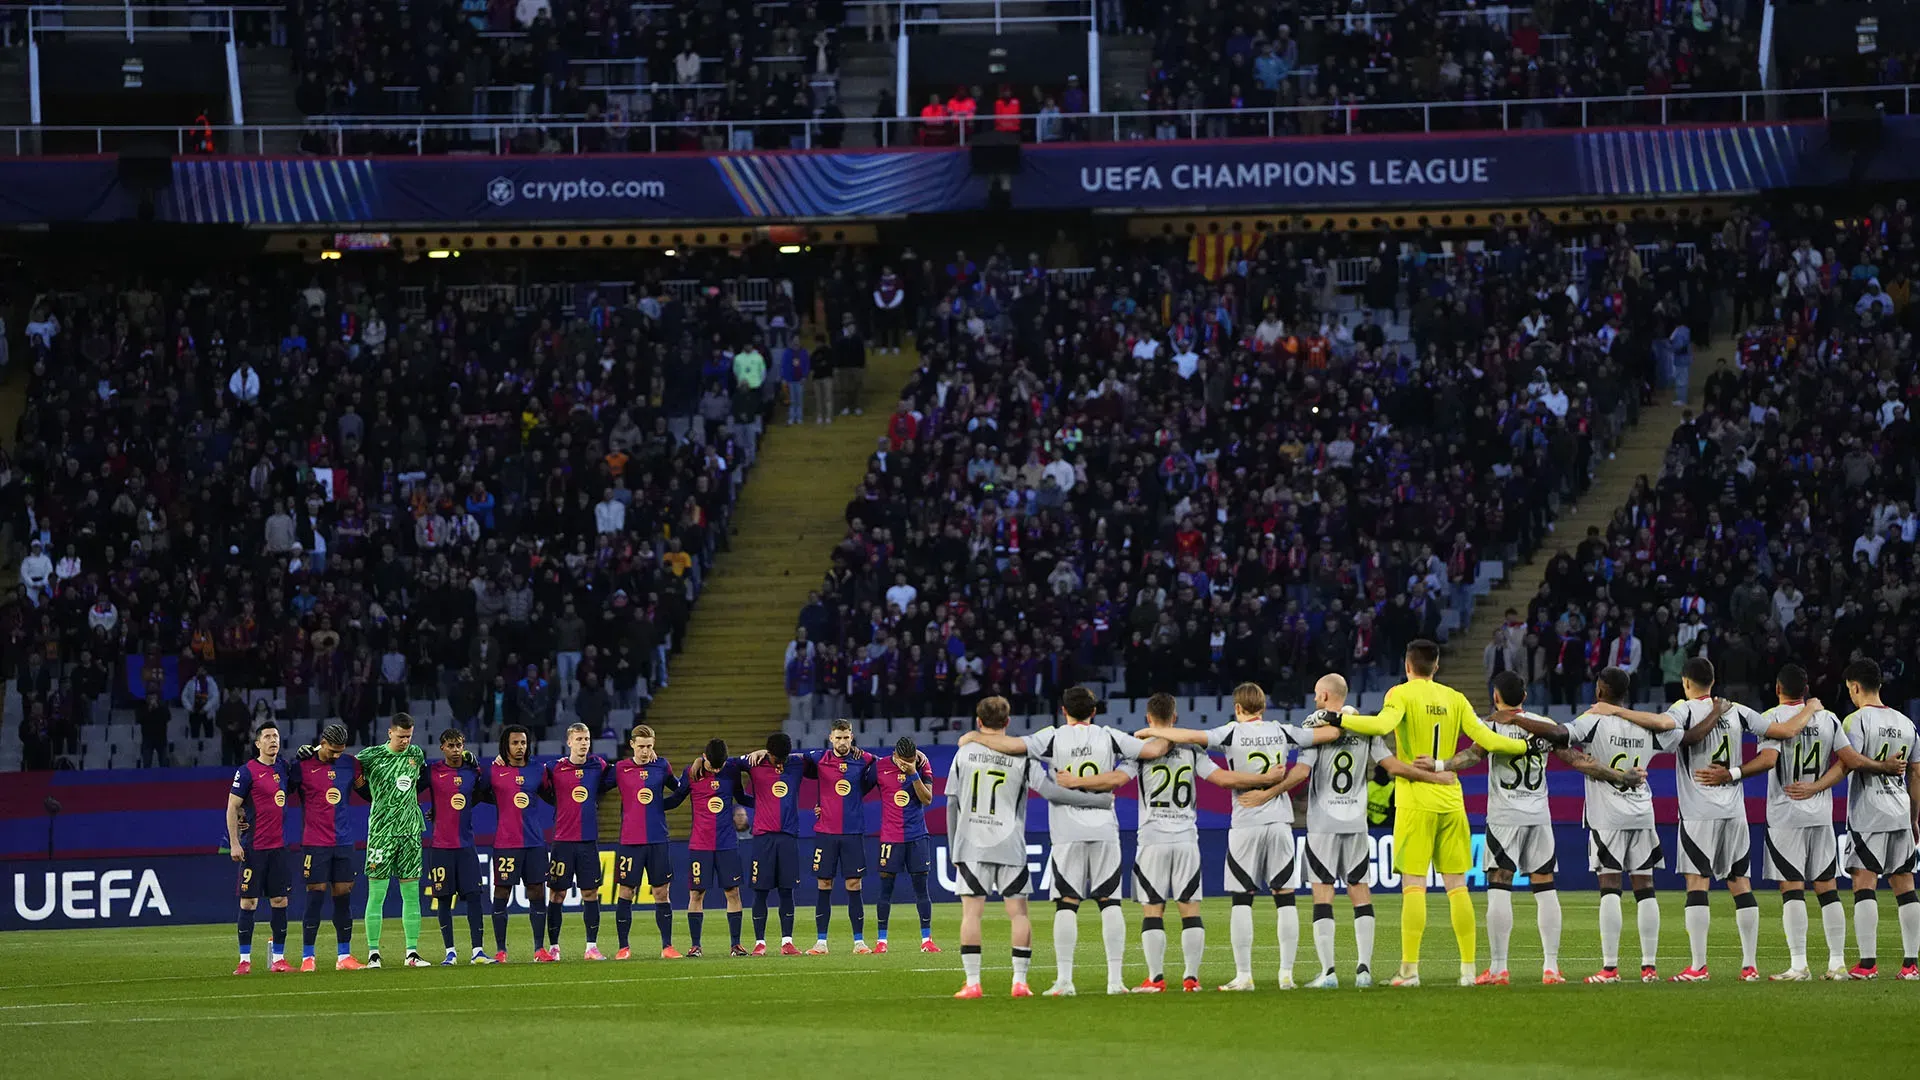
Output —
<point x="306" y="753"/>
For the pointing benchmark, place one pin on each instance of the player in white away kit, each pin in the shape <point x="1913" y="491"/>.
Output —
<point x="1337" y="850"/>
<point x="1085" y="842"/>
<point x="1801" y="846"/>
<point x="1621" y="839"/>
<point x="987" y="840"/>
<point x="1260" y="849"/>
<point x="1166" y="865"/>
<point x="1714" y="839"/>
<point x="1880" y="819"/>
<point x="1520" y="834"/>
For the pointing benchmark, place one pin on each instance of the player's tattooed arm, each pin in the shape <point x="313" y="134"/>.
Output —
<point x="1538" y="727"/>
<point x="1460" y="762"/>
<point x="1801" y="790"/>
<point x="1584" y="763"/>
<point x="1418" y="772"/>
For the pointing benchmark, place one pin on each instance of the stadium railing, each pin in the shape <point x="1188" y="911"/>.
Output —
<point x="748" y="294"/>
<point x="1352" y="273"/>
<point x="1743" y="106"/>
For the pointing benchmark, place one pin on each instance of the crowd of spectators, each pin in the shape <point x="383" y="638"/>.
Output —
<point x="1329" y="58"/>
<point x="1207" y="481"/>
<point x="684" y="63"/>
<point x="1782" y="527"/>
<point x="300" y="482"/>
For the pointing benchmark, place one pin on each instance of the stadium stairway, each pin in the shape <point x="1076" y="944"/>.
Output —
<point x="1642" y="451"/>
<point x="729" y="680"/>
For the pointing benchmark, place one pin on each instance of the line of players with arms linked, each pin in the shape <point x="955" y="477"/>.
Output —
<point x="1804" y="751"/>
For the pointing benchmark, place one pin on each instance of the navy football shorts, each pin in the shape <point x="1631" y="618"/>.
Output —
<point x="776" y="861"/>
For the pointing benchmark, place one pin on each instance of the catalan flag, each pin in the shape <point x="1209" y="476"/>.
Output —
<point x="1212" y="251"/>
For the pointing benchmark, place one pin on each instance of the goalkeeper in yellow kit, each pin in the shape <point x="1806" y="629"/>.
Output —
<point x="1430" y="828"/>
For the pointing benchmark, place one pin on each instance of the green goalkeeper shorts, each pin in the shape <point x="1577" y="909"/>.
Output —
<point x="393" y="857"/>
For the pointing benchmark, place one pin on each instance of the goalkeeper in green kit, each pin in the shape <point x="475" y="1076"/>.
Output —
<point x="391" y="782"/>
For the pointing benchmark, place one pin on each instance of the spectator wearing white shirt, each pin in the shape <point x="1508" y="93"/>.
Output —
<point x="609" y="514"/>
<point x="1555" y="399"/>
<point x="686" y="65"/>
<point x="1146" y="349"/>
<point x="36" y="574"/>
<point x="1869" y="544"/>
<point x="42" y="328"/>
<point x="244" y="384"/>
<point x="1062" y="472"/>
<point x="102" y="617"/>
<point x="1786" y="603"/>
<point x="900" y="595"/>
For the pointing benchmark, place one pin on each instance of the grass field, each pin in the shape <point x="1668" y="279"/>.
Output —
<point x="160" y="1003"/>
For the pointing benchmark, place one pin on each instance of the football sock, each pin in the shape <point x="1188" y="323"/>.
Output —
<point x="554" y="912"/>
<point x="1153" y="945"/>
<point x="1646" y="910"/>
<point x="1610" y="923"/>
<point x="1547" y="917"/>
<point x="277" y="918"/>
<point x="1465" y="929"/>
<point x="694" y="921"/>
<point x="1499" y="925"/>
<point x="247" y="915"/>
<point x="1699" y="921"/>
<point x="733" y="925"/>
<point x="923" y="903"/>
<point x="1240" y="936"/>
<point x="1193" y="944"/>
<point x="760" y="915"/>
<point x="1113" y="936"/>
<point x="822" y="912"/>
<point x="623" y="919"/>
<point x="1022" y="961"/>
<point x="1793" y="919"/>
<point x="1746" y="918"/>
<point x="663" y="920"/>
<point x="1287" y="916"/>
<point x="443" y="914"/>
<point x="1363" y="927"/>
<point x="883" y="907"/>
<point x="499" y="927"/>
<point x="1866" y="925"/>
<point x="410" y="914"/>
<point x="1323" y="934"/>
<point x="343" y="923"/>
<point x="310" y="923"/>
<point x="1066" y="936"/>
<point x="786" y="915"/>
<point x="590" y="920"/>
<point x="376" y="911"/>
<point x="537" y="917"/>
<point x="857" y="914"/>
<point x="970" y="963"/>
<point x="1413" y="926"/>
<point x="1909" y="908"/>
<point x="1833" y="920"/>
<point x="476" y="920"/>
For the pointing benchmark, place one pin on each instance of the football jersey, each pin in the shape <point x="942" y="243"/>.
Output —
<point x="1167" y="814"/>
<point x="1084" y="750"/>
<point x="453" y="791"/>
<point x="646" y="794"/>
<point x="262" y="788"/>
<point x="902" y="816"/>
<point x="1428" y="718"/>
<point x="323" y="788"/>
<point x="711" y="798"/>
<point x="1702" y="802"/>
<point x="1337" y="782"/>
<point x="1619" y="744"/>
<point x="841" y="790"/>
<point x="988" y="793"/>
<point x="1803" y="758"/>
<point x="775" y="787"/>
<point x="393" y="779"/>
<point x="573" y="790"/>
<point x="512" y="790"/>
<point x="1517" y="783"/>
<point x="1254" y="746"/>
<point x="1878" y="804"/>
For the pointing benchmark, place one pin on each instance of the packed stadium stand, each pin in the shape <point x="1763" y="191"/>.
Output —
<point x="1781" y="527"/>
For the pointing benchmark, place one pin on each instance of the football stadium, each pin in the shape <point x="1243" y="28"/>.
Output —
<point x="1072" y="529"/>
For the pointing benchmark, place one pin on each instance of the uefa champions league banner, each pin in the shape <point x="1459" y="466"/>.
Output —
<point x="185" y="890"/>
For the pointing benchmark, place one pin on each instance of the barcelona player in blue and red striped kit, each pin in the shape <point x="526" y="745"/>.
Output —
<point x="844" y="775"/>
<point x="648" y="789"/>
<point x="905" y="780"/>
<point x="322" y="783"/>
<point x="257" y="837"/>
<point x="453" y="864"/>
<point x="519" y="844"/>
<point x="573" y="785"/>
<point x="713" y="859"/>
<point x="773" y="776"/>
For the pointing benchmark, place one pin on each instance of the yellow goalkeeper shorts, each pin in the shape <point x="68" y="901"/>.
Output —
<point x="1426" y="839"/>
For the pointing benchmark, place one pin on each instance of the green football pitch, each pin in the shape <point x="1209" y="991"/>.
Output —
<point x="161" y="1003"/>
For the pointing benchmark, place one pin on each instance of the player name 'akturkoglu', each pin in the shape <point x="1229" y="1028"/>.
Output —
<point x="1346" y="172"/>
